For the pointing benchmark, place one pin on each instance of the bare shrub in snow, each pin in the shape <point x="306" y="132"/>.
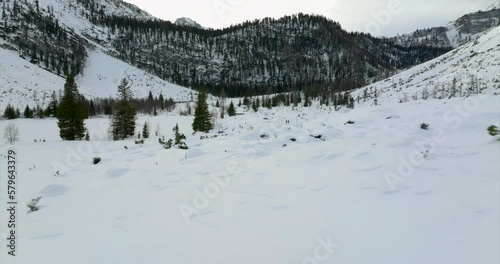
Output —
<point x="11" y="133"/>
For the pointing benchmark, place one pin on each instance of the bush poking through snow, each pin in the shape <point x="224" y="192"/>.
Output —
<point x="424" y="126"/>
<point x="32" y="204"/>
<point x="166" y="144"/>
<point x="493" y="131"/>
<point x="11" y="133"/>
<point x="179" y="140"/>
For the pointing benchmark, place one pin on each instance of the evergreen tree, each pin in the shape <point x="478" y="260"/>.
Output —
<point x="52" y="108"/>
<point x="10" y="112"/>
<point x="179" y="138"/>
<point x="145" y="130"/>
<point x="39" y="112"/>
<point x="123" y="120"/>
<point x="246" y="101"/>
<point x="92" y="110"/>
<point x="202" y="117"/>
<point x="231" y="111"/>
<point x="222" y="103"/>
<point x="27" y="112"/>
<point x="71" y="112"/>
<point x="256" y="104"/>
<point x="162" y="102"/>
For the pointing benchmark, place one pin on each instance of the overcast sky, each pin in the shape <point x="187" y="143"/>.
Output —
<point x="378" y="17"/>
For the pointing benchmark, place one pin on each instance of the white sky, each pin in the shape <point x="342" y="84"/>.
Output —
<point x="359" y="15"/>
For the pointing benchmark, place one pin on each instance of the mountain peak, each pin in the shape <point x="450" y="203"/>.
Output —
<point x="185" y="21"/>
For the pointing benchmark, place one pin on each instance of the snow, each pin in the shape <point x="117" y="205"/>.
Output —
<point x="20" y="79"/>
<point x="265" y="203"/>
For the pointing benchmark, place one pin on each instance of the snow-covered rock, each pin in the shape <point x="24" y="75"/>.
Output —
<point x="188" y="22"/>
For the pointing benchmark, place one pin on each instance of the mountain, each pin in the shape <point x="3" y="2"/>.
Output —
<point x="456" y="33"/>
<point x="42" y="40"/>
<point x="262" y="56"/>
<point x="187" y="22"/>
<point x="24" y="83"/>
<point x="472" y="68"/>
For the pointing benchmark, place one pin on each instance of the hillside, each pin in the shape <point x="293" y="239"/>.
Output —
<point x="24" y="83"/>
<point x="472" y="68"/>
<point x="455" y="33"/>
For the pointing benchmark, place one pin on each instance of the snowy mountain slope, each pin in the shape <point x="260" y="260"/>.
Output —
<point x="475" y="67"/>
<point x="73" y="14"/>
<point x="256" y="200"/>
<point x="455" y="33"/>
<point x="495" y="5"/>
<point x="23" y="83"/>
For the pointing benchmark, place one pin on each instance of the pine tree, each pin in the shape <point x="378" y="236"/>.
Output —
<point x="52" y="108"/>
<point x="145" y="130"/>
<point x="10" y="112"/>
<point x="162" y="102"/>
<point x="222" y="103"/>
<point x="123" y="120"/>
<point x="71" y="112"/>
<point x="202" y="117"/>
<point x="92" y="110"/>
<point x="231" y="111"/>
<point x="179" y="138"/>
<point x="256" y="104"/>
<point x="27" y="112"/>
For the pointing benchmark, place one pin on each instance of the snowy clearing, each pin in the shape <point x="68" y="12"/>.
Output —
<point x="245" y="197"/>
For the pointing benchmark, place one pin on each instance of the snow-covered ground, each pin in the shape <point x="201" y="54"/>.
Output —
<point x="381" y="190"/>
